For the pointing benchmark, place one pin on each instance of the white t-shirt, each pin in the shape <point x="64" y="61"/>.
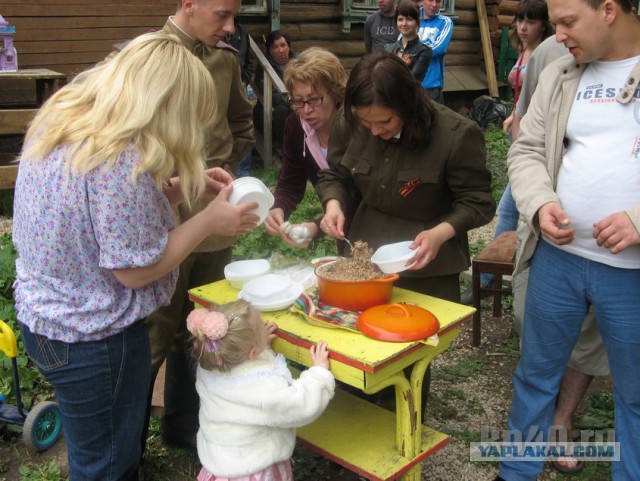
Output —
<point x="600" y="172"/>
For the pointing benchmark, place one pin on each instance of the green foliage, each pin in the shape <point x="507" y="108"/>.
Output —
<point x="497" y="150"/>
<point x="8" y="255"/>
<point x="47" y="471"/>
<point x="33" y="387"/>
<point x="600" y="412"/>
<point x="511" y="345"/>
<point x="161" y="461"/>
<point x="6" y="202"/>
<point x="258" y="244"/>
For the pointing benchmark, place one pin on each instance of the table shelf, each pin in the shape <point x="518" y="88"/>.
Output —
<point x="362" y="437"/>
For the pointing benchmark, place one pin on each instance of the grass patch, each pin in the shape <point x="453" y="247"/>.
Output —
<point x="47" y="471"/>
<point x="497" y="149"/>
<point x="463" y="369"/>
<point x="161" y="461"/>
<point x="511" y="345"/>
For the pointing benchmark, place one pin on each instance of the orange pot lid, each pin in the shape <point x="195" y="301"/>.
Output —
<point x="398" y="323"/>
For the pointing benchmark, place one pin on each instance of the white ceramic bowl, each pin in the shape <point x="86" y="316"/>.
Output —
<point x="391" y="258"/>
<point x="239" y="272"/>
<point x="250" y="189"/>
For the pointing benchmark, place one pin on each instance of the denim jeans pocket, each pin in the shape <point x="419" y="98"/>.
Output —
<point x="47" y="354"/>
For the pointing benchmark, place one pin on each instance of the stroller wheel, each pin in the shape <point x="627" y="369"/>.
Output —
<point x="43" y="426"/>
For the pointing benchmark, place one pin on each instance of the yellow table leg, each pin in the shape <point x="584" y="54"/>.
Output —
<point x="409" y="402"/>
<point x="417" y="378"/>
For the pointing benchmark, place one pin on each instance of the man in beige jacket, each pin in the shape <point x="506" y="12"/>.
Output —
<point x="574" y="172"/>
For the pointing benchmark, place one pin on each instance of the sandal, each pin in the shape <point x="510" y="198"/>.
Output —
<point x="574" y="436"/>
<point x="567" y="470"/>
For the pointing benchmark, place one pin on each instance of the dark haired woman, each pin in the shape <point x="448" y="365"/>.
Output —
<point x="415" y="54"/>
<point x="419" y="167"/>
<point x="279" y="55"/>
<point x="530" y="27"/>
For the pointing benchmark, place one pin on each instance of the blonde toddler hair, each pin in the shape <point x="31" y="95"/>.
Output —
<point x="222" y="344"/>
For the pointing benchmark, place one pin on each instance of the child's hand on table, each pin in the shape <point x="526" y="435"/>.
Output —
<point x="272" y="327"/>
<point x="320" y="355"/>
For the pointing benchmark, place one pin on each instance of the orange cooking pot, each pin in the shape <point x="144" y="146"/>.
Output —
<point x="355" y="295"/>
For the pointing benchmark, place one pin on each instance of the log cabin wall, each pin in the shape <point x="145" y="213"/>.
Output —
<point x="70" y="35"/>
<point x="318" y="23"/>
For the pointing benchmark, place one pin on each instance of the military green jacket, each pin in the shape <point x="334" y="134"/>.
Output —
<point x="402" y="192"/>
<point x="231" y="134"/>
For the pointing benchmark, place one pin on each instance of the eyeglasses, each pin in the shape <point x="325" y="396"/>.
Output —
<point x="312" y="102"/>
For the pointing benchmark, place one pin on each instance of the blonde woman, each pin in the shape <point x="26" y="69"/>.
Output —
<point x="316" y="81"/>
<point x="98" y="249"/>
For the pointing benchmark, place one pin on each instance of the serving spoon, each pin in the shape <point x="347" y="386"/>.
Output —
<point x="348" y="242"/>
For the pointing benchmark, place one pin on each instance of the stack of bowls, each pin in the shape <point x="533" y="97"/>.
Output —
<point x="240" y="272"/>
<point x="250" y="189"/>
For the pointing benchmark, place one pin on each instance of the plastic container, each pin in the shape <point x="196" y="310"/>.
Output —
<point x="251" y="189"/>
<point x="392" y="258"/>
<point x="240" y="272"/>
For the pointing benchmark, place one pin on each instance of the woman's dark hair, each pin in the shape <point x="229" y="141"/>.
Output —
<point x="409" y="9"/>
<point x="383" y="79"/>
<point x="275" y="36"/>
<point x="531" y="10"/>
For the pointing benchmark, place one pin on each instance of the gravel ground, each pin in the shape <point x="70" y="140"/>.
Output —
<point x="5" y="225"/>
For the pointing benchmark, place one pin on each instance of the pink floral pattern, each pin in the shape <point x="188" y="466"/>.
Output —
<point x="71" y="231"/>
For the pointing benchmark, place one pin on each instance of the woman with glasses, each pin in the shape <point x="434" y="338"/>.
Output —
<point x="316" y="81"/>
<point x="415" y="54"/>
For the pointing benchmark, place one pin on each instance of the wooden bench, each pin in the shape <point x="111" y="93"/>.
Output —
<point x="497" y="259"/>
<point x="12" y="122"/>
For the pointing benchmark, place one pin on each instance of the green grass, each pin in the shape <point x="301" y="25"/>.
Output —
<point x="257" y="243"/>
<point x="463" y="369"/>
<point x="47" y="471"/>
<point x="497" y="149"/>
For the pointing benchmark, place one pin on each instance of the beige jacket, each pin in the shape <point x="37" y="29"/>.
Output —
<point x="535" y="158"/>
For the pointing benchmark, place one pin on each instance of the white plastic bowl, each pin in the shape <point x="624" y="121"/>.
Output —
<point x="391" y="258"/>
<point x="268" y="288"/>
<point x="239" y="272"/>
<point x="250" y="189"/>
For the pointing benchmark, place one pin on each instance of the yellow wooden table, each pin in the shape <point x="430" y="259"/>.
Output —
<point x="371" y="441"/>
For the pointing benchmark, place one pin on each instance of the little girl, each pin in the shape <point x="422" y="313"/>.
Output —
<point x="249" y="403"/>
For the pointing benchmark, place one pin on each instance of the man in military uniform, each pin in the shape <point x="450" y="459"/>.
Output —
<point x="201" y="25"/>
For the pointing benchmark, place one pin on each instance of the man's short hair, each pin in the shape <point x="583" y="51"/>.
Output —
<point x="625" y="5"/>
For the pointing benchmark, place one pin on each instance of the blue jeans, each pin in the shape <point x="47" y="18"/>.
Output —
<point x="508" y="217"/>
<point x="101" y="388"/>
<point x="244" y="167"/>
<point x="561" y="288"/>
